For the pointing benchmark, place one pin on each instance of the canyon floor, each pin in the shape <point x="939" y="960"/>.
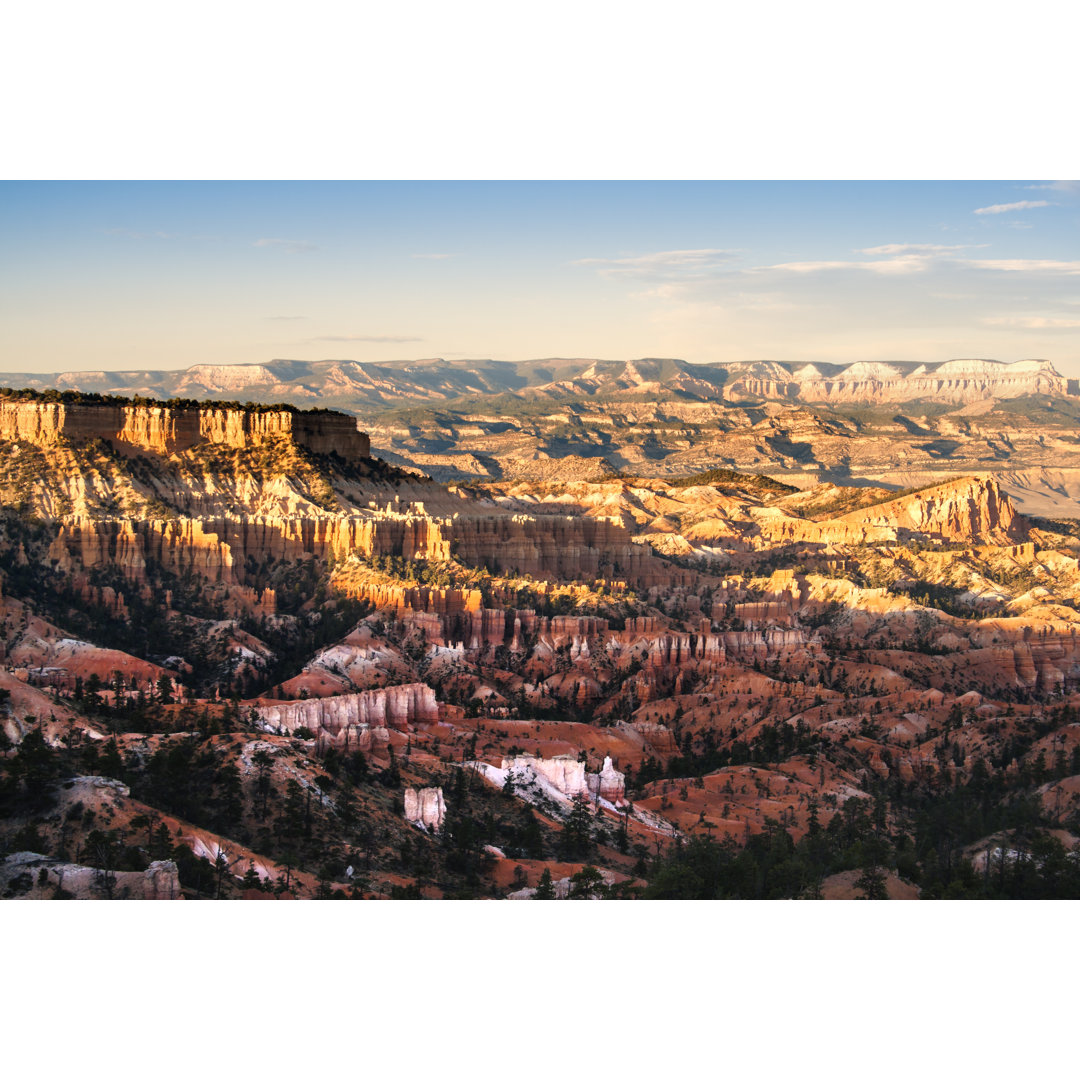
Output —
<point x="251" y="661"/>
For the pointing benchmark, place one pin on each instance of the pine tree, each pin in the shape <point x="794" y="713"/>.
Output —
<point x="261" y="760"/>
<point x="545" y="890"/>
<point x="164" y="689"/>
<point x="872" y="883"/>
<point x="391" y="776"/>
<point x="345" y="802"/>
<point x="576" y="840"/>
<point x="586" y="884"/>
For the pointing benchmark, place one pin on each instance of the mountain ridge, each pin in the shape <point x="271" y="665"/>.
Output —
<point x="364" y="385"/>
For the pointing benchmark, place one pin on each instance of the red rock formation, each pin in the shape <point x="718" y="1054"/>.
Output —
<point x="260" y="604"/>
<point x="161" y="430"/>
<point x="757" y="614"/>
<point x="564" y="627"/>
<point x="659" y="738"/>
<point x="671" y="649"/>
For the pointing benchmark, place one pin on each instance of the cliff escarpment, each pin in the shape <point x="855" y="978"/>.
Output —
<point x="393" y="707"/>
<point x="238" y="549"/>
<point x="165" y="429"/>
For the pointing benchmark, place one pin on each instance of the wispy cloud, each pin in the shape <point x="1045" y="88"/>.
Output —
<point x="435" y="255"/>
<point x="1032" y="322"/>
<point x="1008" y="207"/>
<point x="1025" y="266"/>
<point x="662" y="263"/>
<point x="1068" y="187"/>
<point x="294" y="247"/>
<point x="914" y="249"/>
<point x="897" y="259"/>
<point x="388" y="339"/>
<point x="915" y="264"/>
<point x="900" y="264"/>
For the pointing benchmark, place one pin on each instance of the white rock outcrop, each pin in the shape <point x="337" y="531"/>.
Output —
<point x="31" y="876"/>
<point x="390" y="707"/>
<point x="608" y="783"/>
<point x="564" y="772"/>
<point x="568" y="776"/>
<point x="425" y="807"/>
<point x="562" y="888"/>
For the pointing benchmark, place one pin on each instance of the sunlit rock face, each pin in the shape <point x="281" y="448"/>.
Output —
<point x="164" y="429"/>
<point x="968" y="509"/>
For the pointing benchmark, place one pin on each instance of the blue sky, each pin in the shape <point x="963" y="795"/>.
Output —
<point x="103" y="275"/>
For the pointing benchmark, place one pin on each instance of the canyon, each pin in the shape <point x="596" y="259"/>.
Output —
<point x="331" y="675"/>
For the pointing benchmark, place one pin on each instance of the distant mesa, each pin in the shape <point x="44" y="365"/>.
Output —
<point x="954" y="382"/>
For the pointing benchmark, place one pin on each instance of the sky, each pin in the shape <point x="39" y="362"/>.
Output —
<point x="121" y="275"/>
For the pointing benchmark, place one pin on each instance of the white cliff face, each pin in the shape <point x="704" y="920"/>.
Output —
<point x="568" y="776"/>
<point x="425" y="807"/>
<point x="564" y="773"/>
<point x="390" y="707"/>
